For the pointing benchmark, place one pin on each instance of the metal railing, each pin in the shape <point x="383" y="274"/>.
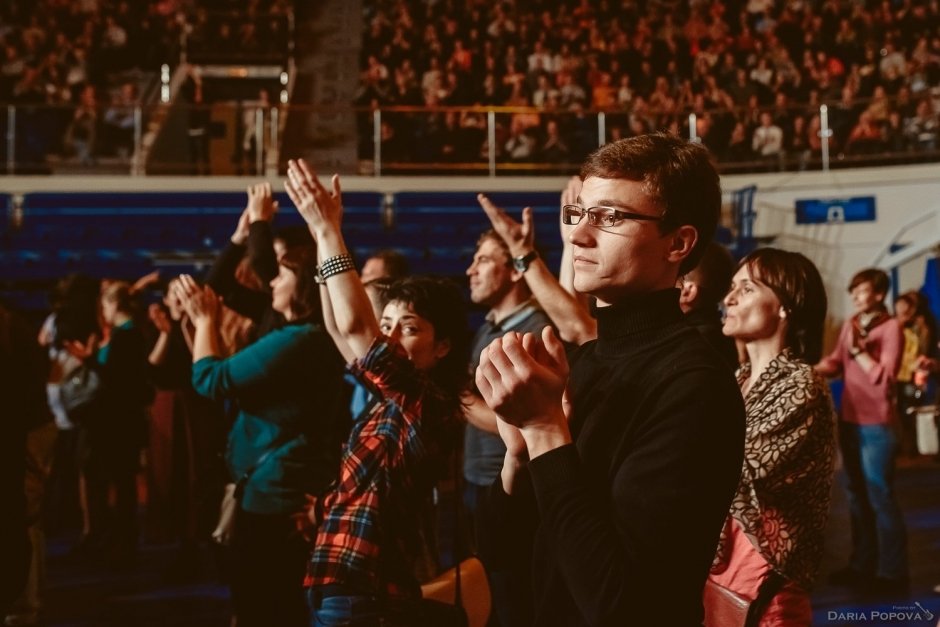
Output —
<point x="247" y="138"/>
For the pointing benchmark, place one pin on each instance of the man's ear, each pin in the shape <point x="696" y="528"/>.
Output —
<point x="683" y="241"/>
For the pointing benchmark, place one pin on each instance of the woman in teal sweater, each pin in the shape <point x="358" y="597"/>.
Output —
<point x="285" y="442"/>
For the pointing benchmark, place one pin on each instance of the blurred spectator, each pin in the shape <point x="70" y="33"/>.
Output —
<point x="82" y="134"/>
<point x="385" y="264"/>
<point x="22" y="373"/>
<point x="113" y="428"/>
<point x="767" y="140"/>
<point x="198" y="128"/>
<point x="520" y="146"/>
<point x="554" y="149"/>
<point x="797" y="143"/>
<point x="865" y="138"/>
<point x="920" y="340"/>
<point x="893" y="133"/>
<point x="118" y="123"/>
<point x="251" y="143"/>
<point x="739" y="148"/>
<point x="921" y="128"/>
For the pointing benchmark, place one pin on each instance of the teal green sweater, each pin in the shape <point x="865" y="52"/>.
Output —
<point x="290" y="392"/>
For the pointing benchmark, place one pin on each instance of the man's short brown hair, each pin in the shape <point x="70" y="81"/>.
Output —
<point x="493" y="235"/>
<point x="878" y="279"/>
<point x="680" y="176"/>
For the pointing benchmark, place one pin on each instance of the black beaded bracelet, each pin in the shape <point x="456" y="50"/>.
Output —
<point x="335" y="265"/>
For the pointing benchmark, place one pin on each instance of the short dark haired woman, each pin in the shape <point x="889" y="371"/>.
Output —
<point x="413" y="358"/>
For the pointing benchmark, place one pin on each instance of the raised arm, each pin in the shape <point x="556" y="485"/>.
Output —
<point x="221" y="278"/>
<point x="322" y="210"/>
<point x="832" y="365"/>
<point x="145" y="282"/>
<point x="261" y="210"/>
<point x="161" y="321"/>
<point x="329" y="318"/>
<point x="574" y="321"/>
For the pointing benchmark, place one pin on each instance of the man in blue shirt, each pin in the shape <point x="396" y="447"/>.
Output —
<point x="497" y="282"/>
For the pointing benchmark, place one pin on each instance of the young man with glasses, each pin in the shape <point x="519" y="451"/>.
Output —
<point x="621" y="467"/>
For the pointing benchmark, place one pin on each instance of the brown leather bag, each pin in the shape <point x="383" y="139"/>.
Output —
<point x="723" y="607"/>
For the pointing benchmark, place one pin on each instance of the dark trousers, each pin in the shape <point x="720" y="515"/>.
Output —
<point x="62" y="508"/>
<point x="510" y="591"/>
<point x="106" y="467"/>
<point x="269" y="561"/>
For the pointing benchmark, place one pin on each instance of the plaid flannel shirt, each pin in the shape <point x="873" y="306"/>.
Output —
<point x="369" y="536"/>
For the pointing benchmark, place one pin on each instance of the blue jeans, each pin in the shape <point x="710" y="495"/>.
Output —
<point x="344" y="611"/>
<point x="879" y="538"/>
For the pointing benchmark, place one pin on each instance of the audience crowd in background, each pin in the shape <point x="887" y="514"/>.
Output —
<point x="755" y="74"/>
<point x="77" y="70"/>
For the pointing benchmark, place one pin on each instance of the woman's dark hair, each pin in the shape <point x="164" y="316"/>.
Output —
<point x="440" y="302"/>
<point x="796" y="282"/>
<point x="75" y="303"/>
<point x="305" y="301"/>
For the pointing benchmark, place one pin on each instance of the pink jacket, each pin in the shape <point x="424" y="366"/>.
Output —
<point x="868" y="397"/>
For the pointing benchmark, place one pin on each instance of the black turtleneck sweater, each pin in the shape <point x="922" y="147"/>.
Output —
<point x="627" y="518"/>
<point x="707" y="321"/>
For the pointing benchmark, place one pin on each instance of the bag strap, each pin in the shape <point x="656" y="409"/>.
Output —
<point x="458" y="471"/>
<point x="768" y="589"/>
<point x="283" y="439"/>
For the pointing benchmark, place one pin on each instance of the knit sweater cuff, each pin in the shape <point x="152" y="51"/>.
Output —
<point x="554" y="474"/>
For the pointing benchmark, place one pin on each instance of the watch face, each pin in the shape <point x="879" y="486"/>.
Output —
<point x="521" y="264"/>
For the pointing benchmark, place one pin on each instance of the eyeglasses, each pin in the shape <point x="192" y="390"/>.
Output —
<point x="601" y="216"/>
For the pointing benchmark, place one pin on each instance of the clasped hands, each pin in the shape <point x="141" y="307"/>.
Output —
<point x="522" y="378"/>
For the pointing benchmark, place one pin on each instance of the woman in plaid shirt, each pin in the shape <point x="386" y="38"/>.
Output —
<point x="413" y="361"/>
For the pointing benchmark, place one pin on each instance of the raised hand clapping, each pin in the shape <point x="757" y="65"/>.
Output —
<point x="519" y="237"/>
<point x="201" y="303"/>
<point x="261" y="203"/>
<point x="319" y="207"/>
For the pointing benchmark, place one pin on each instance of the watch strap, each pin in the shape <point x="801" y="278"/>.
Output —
<point x="522" y="262"/>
